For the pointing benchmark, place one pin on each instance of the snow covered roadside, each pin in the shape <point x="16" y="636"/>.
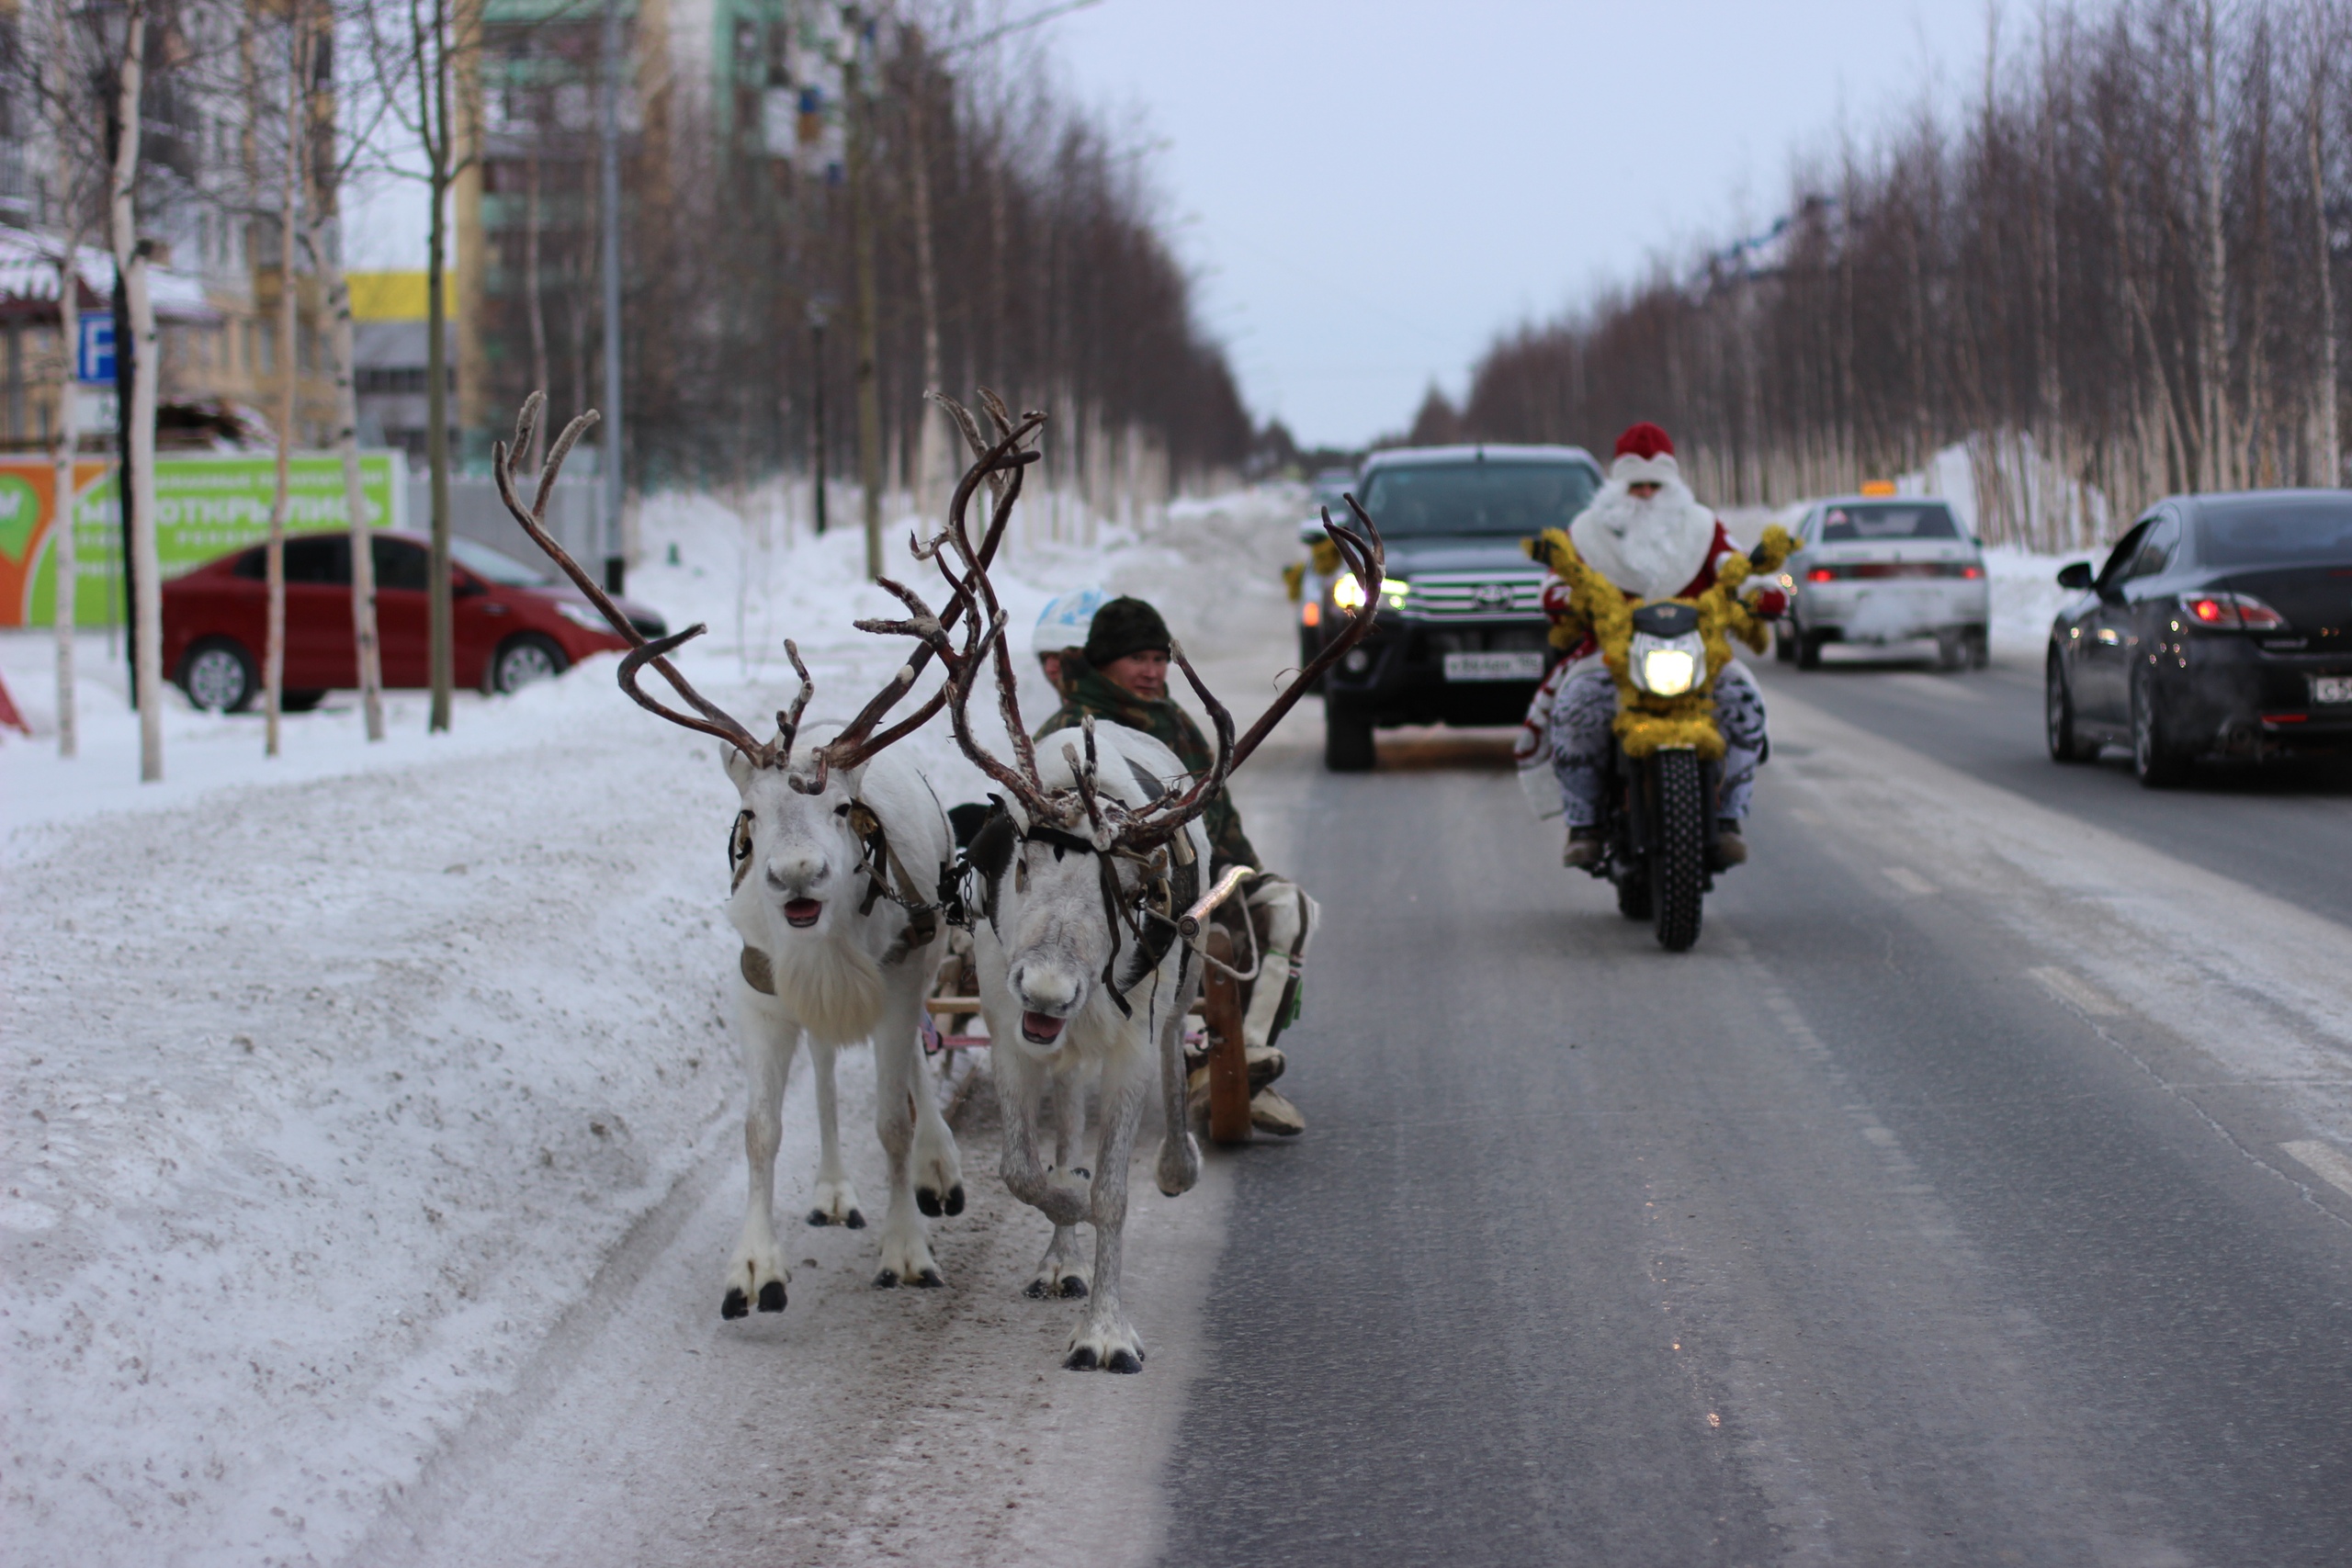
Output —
<point x="336" y="1080"/>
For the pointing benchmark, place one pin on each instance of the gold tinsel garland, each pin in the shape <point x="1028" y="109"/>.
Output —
<point x="1644" y="723"/>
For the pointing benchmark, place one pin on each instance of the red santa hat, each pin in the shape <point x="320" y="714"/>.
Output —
<point x="1645" y="454"/>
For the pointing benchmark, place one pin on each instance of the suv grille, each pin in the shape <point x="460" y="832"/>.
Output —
<point x="1476" y="596"/>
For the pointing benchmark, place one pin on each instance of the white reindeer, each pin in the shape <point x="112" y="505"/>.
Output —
<point x="1092" y="879"/>
<point x="838" y="854"/>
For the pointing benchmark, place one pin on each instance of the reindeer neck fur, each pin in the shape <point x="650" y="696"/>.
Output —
<point x="829" y="977"/>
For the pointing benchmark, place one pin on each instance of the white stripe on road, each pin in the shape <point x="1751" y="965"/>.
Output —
<point x="2326" y="1161"/>
<point x="1942" y="686"/>
<point x="2077" y="992"/>
<point x="1910" y="881"/>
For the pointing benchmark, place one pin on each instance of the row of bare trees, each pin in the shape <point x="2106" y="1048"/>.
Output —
<point x="2115" y="275"/>
<point x="1009" y="241"/>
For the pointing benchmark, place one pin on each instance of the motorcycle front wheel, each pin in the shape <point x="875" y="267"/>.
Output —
<point x="1679" y="861"/>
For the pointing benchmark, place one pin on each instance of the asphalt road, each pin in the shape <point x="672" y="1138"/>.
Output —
<point x="1933" y="1209"/>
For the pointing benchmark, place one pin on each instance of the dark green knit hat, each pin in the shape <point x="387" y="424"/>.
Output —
<point x="1123" y="627"/>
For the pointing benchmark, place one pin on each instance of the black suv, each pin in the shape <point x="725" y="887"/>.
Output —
<point x="1461" y="634"/>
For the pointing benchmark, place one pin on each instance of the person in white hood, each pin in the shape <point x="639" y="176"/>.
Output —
<point x="1647" y="533"/>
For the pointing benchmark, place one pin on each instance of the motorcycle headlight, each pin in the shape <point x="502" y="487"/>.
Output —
<point x="1664" y="666"/>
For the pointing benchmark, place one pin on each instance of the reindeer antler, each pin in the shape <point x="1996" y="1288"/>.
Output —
<point x="1143" y="828"/>
<point x="846" y="749"/>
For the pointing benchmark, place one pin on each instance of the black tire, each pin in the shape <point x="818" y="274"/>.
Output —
<point x="1784" y="644"/>
<point x="1980" y="649"/>
<point x="1633" y="893"/>
<point x="220" y="676"/>
<point x="2157" y="760"/>
<point x="1679" y="861"/>
<point x="2058" y="716"/>
<point x="1809" y="649"/>
<point x="300" y="702"/>
<point x="522" y="659"/>
<point x="1347" y="739"/>
<point x="1951" y="652"/>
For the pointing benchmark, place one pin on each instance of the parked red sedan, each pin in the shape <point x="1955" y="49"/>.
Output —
<point x="515" y="624"/>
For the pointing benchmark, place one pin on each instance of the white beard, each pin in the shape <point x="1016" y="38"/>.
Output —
<point x="1650" y="548"/>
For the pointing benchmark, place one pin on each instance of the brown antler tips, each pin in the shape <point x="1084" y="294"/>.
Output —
<point x="527" y="419"/>
<point x="580" y="425"/>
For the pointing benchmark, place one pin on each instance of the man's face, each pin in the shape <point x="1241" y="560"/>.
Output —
<point x="1052" y="665"/>
<point x="1642" y="490"/>
<point x="1145" y="674"/>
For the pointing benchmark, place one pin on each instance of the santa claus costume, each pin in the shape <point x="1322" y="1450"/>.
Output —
<point x="1662" y="544"/>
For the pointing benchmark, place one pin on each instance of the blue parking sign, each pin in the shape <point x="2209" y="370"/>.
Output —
<point x="93" y="348"/>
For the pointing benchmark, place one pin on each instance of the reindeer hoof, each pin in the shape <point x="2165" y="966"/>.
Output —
<point x="928" y="1278"/>
<point x="1123" y="1361"/>
<point x="927" y="1203"/>
<point x="1080" y="1360"/>
<point x="856" y="1221"/>
<point x="771" y="1298"/>
<point x="1034" y="1290"/>
<point x="736" y="1304"/>
<point x="886" y="1280"/>
<point x="1073" y="1287"/>
<point x="955" y="1199"/>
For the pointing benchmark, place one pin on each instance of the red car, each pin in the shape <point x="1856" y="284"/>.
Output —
<point x="515" y="624"/>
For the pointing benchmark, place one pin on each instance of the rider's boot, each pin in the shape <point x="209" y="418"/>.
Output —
<point x="1730" y="848"/>
<point x="1270" y="1112"/>
<point x="1583" y="851"/>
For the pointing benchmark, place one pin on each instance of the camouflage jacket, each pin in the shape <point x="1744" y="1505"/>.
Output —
<point x="1084" y="691"/>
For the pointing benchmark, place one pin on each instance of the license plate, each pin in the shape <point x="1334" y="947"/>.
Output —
<point x="1493" y="667"/>
<point x="2325" y="689"/>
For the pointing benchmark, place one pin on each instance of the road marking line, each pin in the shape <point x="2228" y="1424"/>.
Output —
<point x="1910" y="881"/>
<point x="2077" y="992"/>
<point x="2326" y="1161"/>
<point x="1880" y="1135"/>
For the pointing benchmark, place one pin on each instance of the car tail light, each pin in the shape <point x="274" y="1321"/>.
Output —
<point x="1310" y="614"/>
<point x="2231" y="611"/>
<point x="1822" y="574"/>
<point x="1972" y="571"/>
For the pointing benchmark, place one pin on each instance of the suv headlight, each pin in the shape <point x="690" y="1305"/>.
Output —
<point x="1666" y="666"/>
<point x="1347" y="593"/>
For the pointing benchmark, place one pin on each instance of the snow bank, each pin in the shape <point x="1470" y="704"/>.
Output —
<point x="334" y="1078"/>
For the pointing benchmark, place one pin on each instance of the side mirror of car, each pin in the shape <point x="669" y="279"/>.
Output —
<point x="2075" y="574"/>
<point x="464" y="587"/>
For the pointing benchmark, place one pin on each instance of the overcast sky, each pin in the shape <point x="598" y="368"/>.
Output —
<point x="1368" y="191"/>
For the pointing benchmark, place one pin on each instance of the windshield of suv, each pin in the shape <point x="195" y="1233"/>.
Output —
<point x="1411" y="502"/>
<point x="496" y="566"/>
<point x="1862" y="525"/>
<point x="2264" y="530"/>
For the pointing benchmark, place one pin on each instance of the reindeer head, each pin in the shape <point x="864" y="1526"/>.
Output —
<point x="799" y="847"/>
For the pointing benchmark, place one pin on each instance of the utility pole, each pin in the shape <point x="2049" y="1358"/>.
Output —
<point x="124" y="348"/>
<point x="614" y="567"/>
<point x="820" y="307"/>
<point x="861" y="219"/>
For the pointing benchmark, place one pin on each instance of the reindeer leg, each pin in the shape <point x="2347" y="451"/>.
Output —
<point x="1063" y="1270"/>
<point x="756" y="1272"/>
<point x="1105" y="1339"/>
<point x="939" y="1172"/>
<point x="1178" y="1166"/>
<point x="898" y="1085"/>
<point x="1020" y="1092"/>
<point x="836" y="1197"/>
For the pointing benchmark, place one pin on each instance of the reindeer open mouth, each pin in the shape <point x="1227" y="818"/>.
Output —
<point x="801" y="913"/>
<point x="1041" y="1029"/>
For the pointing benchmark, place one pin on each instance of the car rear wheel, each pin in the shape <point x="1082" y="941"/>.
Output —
<point x="2157" y="758"/>
<point x="523" y="660"/>
<point x="1347" y="738"/>
<point x="1809" y="649"/>
<point x="218" y="675"/>
<point x="2058" y="716"/>
<point x="1980" y="647"/>
<point x="1784" y="644"/>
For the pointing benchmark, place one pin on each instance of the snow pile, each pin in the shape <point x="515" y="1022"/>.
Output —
<point x="334" y="1080"/>
<point x="2026" y="596"/>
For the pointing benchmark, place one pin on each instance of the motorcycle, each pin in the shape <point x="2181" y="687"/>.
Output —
<point x="1659" y="824"/>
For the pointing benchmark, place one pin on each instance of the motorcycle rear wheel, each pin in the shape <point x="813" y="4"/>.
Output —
<point x="1678" y="862"/>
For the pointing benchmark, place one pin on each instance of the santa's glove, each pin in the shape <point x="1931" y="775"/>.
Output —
<point x="1771" y="604"/>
